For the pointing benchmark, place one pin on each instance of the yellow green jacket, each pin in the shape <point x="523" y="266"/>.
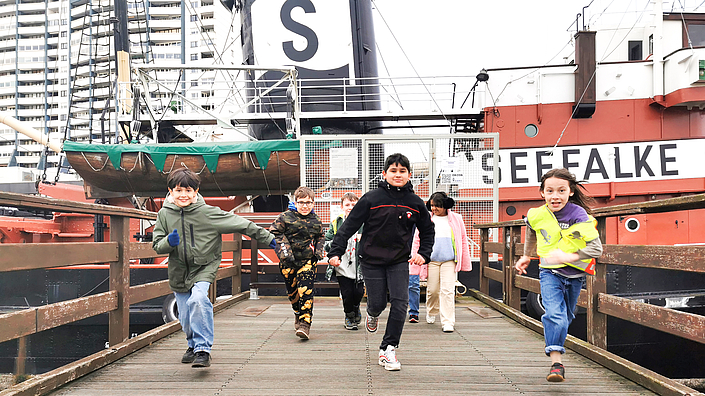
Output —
<point x="550" y="236"/>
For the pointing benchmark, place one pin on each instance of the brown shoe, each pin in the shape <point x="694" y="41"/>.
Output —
<point x="302" y="331"/>
<point x="296" y="321"/>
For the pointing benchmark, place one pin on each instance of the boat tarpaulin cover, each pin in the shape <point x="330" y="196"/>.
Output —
<point x="210" y="151"/>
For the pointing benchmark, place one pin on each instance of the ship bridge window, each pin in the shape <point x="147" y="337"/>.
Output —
<point x="635" y="51"/>
<point x="531" y="130"/>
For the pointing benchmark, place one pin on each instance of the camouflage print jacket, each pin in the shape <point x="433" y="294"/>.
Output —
<point x="299" y="238"/>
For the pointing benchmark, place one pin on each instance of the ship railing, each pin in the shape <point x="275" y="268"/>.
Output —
<point x="171" y="92"/>
<point x="117" y="252"/>
<point x="595" y="299"/>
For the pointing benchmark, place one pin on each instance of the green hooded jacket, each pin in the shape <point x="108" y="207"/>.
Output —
<point x="197" y="256"/>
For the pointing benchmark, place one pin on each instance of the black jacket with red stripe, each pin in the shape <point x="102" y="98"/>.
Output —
<point x="389" y="215"/>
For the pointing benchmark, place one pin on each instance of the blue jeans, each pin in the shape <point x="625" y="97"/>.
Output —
<point x="393" y="278"/>
<point x="560" y="296"/>
<point x="196" y="316"/>
<point x="414" y="295"/>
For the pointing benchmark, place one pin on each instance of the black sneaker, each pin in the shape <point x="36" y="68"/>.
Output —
<point x="189" y="356"/>
<point x="557" y="373"/>
<point x="203" y="359"/>
<point x="358" y="316"/>
<point x="350" y="323"/>
<point x="413" y="318"/>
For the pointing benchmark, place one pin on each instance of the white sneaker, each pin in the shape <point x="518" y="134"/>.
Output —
<point x="388" y="359"/>
<point x="430" y="319"/>
<point x="448" y="328"/>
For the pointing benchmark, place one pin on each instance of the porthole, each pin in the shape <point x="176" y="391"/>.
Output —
<point x="511" y="210"/>
<point x="531" y="130"/>
<point x="632" y="224"/>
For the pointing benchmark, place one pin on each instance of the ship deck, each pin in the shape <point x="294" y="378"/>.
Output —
<point x="257" y="353"/>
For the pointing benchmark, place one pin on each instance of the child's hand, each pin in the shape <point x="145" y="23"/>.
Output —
<point x="417" y="259"/>
<point x="173" y="238"/>
<point x="558" y="256"/>
<point x="334" y="261"/>
<point x="522" y="264"/>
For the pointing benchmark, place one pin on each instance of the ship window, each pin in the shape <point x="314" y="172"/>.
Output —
<point x="531" y="130"/>
<point x="635" y="51"/>
<point x="632" y="225"/>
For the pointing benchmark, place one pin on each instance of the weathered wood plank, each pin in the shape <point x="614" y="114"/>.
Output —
<point x="148" y="291"/>
<point x="64" y="312"/>
<point x="141" y="250"/>
<point x="45" y="383"/>
<point x="494" y="274"/>
<point x="17" y="324"/>
<point x="48" y="255"/>
<point x="33" y="320"/>
<point x="647" y="378"/>
<point x="682" y="324"/>
<point x="67" y="206"/>
<point x="494" y="247"/>
<point x="526" y="283"/>
<point x="684" y="258"/>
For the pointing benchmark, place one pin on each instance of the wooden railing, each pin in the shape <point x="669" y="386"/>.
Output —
<point x="117" y="252"/>
<point x="595" y="299"/>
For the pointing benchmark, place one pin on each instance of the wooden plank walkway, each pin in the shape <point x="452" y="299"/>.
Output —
<point x="257" y="353"/>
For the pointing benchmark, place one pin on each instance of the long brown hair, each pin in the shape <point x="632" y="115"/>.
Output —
<point x="579" y="196"/>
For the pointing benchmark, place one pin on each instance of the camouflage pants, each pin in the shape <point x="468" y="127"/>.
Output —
<point x="299" y="286"/>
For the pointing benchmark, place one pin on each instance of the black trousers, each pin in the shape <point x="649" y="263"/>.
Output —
<point x="393" y="278"/>
<point x="352" y="292"/>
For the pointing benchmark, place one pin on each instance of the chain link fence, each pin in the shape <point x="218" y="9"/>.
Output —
<point x="461" y="165"/>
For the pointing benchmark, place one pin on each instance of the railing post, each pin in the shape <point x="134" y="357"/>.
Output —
<point x="119" y="319"/>
<point x="510" y="295"/>
<point x="596" y="321"/>
<point x="484" y="261"/>
<point x="254" y="269"/>
<point x="511" y="237"/>
<point x="237" y="263"/>
<point x="21" y="356"/>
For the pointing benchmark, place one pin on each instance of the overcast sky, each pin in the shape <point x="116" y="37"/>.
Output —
<point x="459" y="37"/>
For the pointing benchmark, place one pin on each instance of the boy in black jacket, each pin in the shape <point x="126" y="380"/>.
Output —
<point x="389" y="214"/>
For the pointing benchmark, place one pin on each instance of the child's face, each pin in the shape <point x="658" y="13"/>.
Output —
<point x="304" y="205"/>
<point x="396" y="175"/>
<point x="439" y="211"/>
<point x="556" y="192"/>
<point x="347" y="206"/>
<point x="183" y="196"/>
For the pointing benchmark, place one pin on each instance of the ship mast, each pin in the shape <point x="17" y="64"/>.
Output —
<point x="122" y="55"/>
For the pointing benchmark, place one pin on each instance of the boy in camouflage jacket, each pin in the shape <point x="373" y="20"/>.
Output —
<point x="299" y="245"/>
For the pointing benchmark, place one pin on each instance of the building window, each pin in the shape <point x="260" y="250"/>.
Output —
<point x="194" y="44"/>
<point x="63" y="34"/>
<point x="64" y="45"/>
<point x="635" y="51"/>
<point x="194" y="57"/>
<point x="63" y="94"/>
<point x="63" y="58"/>
<point x="63" y="81"/>
<point x="194" y="18"/>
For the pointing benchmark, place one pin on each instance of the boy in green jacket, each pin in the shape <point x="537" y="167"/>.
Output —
<point x="195" y="252"/>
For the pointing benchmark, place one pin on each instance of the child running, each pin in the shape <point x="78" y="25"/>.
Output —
<point x="389" y="214"/>
<point x="195" y="252"/>
<point x="348" y="271"/>
<point x="564" y="235"/>
<point x="299" y="245"/>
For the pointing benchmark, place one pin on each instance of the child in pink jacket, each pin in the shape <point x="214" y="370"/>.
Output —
<point x="450" y="254"/>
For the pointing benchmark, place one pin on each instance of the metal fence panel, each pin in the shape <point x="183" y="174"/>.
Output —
<point x="461" y="165"/>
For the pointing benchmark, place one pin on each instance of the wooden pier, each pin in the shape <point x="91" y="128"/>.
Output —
<point x="257" y="353"/>
<point x="494" y="350"/>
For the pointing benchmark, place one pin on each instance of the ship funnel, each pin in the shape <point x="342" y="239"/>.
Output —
<point x="585" y="59"/>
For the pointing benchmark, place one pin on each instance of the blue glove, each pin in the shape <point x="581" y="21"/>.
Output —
<point x="273" y="244"/>
<point x="292" y="206"/>
<point x="173" y="238"/>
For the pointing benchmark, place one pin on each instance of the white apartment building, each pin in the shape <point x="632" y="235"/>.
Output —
<point x="57" y="63"/>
